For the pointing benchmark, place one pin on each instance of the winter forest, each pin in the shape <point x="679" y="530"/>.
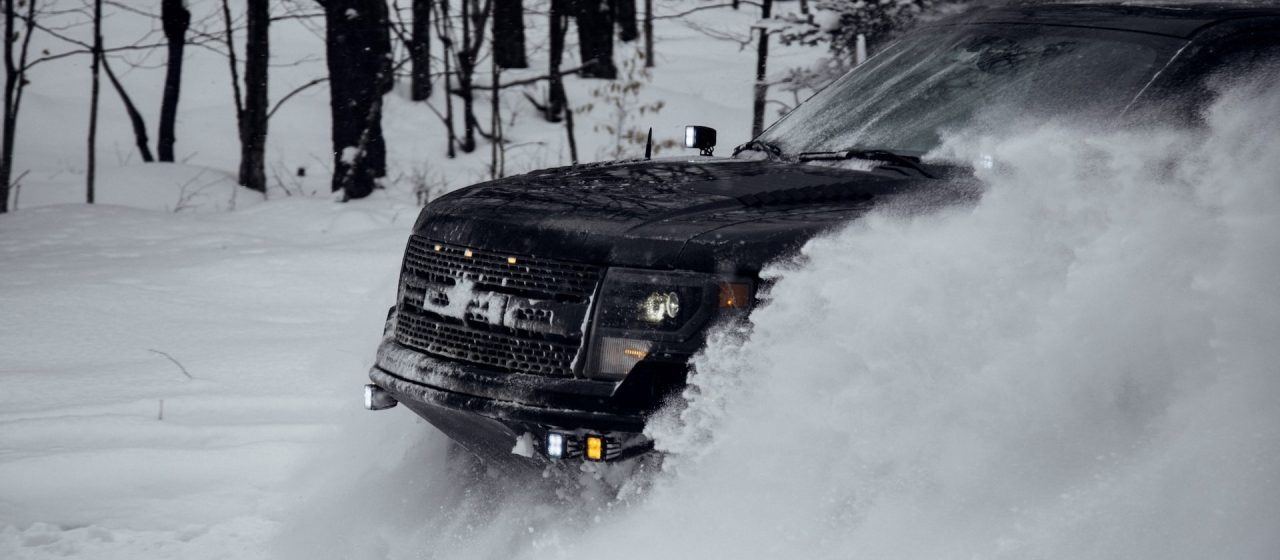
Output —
<point x="495" y="84"/>
<point x="945" y="286"/>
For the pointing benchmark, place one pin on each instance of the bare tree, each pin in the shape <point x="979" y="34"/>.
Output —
<point x="508" y="34"/>
<point x="446" y="39"/>
<point x="251" y="107"/>
<point x="762" y="71"/>
<point x="624" y="12"/>
<point x="420" y="51"/>
<point x="558" y="22"/>
<point x="558" y="102"/>
<point x="15" y="80"/>
<point x="253" y="121"/>
<point x="648" y="33"/>
<point x="497" y="148"/>
<point x="473" y="16"/>
<point x="135" y="118"/>
<point x="93" y="100"/>
<point x="176" y="19"/>
<point x="595" y="38"/>
<point x="358" y="49"/>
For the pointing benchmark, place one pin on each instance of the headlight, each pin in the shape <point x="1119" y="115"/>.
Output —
<point x="643" y="312"/>
<point x="660" y="306"/>
<point x="633" y="299"/>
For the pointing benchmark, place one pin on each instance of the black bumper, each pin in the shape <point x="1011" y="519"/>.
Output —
<point x="487" y="411"/>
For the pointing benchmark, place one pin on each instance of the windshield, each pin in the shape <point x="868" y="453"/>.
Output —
<point x="947" y="78"/>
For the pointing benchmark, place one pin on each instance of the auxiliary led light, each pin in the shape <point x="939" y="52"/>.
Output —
<point x="595" y="448"/>
<point x="511" y="260"/>
<point x="555" y="445"/>
<point x="467" y="253"/>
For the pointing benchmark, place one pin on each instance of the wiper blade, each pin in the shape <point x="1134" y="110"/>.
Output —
<point x="887" y="156"/>
<point x="759" y="146"/>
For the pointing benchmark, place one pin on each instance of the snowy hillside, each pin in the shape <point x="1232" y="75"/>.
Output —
<point x="1081" y="366"/>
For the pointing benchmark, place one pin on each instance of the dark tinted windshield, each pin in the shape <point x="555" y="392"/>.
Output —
<point x="946" y="78"/>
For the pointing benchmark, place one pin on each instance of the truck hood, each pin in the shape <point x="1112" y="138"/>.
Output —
<point x="714" y="215"/>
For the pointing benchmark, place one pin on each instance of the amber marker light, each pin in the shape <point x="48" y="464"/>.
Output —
<point x="467" y="253"/>
<point x="595" y="448"/>
<point x="735" y="296"/>
<point x="511" y="260"/>
<point x="635" y="353"/>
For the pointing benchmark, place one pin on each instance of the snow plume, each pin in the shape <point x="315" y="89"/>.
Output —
<point x="1082" y="364"/>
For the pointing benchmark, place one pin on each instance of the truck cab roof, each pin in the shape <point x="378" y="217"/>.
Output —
<point x="1181" y="20"/>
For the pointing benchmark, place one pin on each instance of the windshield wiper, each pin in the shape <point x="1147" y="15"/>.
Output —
<point x="759" y="146"/>
<point x="887" y="156"/>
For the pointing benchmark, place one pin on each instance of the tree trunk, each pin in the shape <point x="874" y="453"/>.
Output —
<point x="15" y="80"/>
<point x="357" y="46"/>
<point x="568" y="129"/>
<point x="446" y="38"/>
<point x="474" y="22"/>
<point x="762" y="72"/>
<point x="93" y="101"/>
<point x="508" y="34"/>
<point x="420" y="52"/>
<point x="625" y="12"/>
<point x="595" y="38"/>
<point x="253" y="124"/>
<point x="648" y="33"/>
<point x="555" y="85"/>
<point x="495" y="120"/>
<point x="135" y="118"/>
<point x="12" y="82"/>
<point x="466" y="75"/>
<point x="175" y="19"/>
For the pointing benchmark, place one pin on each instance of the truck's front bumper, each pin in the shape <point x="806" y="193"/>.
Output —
<point x="489" y="412"/>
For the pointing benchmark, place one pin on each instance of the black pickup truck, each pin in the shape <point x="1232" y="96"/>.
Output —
<point x="550" y="313"/>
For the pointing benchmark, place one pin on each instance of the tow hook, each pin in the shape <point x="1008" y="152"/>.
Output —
<point x="377" y="398"/>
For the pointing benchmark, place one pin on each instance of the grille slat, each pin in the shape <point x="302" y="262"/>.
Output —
<point x="502" y="347"/>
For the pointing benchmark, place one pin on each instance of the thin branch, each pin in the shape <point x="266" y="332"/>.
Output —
<point x="296" y="16"/>
<point x="710" y="7"/>
<point x="53" y="57"/>
<point x="231" y="50"/>
<point x="296" y="91"/>
<point x="135" y="118"/>
<point x="526" y="81"/>
<point x="174" y="360"/>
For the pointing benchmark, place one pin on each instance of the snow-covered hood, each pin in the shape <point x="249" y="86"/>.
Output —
<point x="705" y="214"/>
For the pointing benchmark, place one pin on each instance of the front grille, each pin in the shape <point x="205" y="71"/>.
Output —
<point x="531" y="276"/>
<point x="535" y="329"/>
<point x="507" y="352"/>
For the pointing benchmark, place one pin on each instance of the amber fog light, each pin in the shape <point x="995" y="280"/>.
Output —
<point x="595" y="448"/>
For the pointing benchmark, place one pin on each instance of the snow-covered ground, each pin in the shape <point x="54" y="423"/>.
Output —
<point x="1082" y="366"/>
